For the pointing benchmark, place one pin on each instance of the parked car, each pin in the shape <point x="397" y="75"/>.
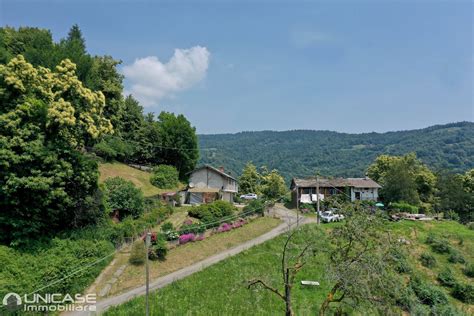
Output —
<point x="249" y="196"/>
<point x="330" y="216"/>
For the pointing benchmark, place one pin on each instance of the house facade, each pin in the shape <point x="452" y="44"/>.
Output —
<point x="304" y="190"/>
<point x="207" y="184"/>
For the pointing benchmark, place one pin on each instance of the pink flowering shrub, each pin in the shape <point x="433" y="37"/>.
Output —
<point x="183" y="239"/>
<point x="239" y="223"/>
<point x="225" y="227"/>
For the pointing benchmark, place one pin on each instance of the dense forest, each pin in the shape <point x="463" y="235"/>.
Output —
<point x="301" y="153"/>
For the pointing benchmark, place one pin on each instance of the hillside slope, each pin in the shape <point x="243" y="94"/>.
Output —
<point x="302" y="152"/>
<point x="140" y="179"/>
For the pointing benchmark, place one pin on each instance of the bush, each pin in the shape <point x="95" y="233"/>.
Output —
<point x="446" y="278"/>
<point x="428" y="260"/>
<point x="451" y="215"/>
<point x="224" y="228"/>
<point x="194" y="228"/>
<point x="403" y="207"/>
<point x="165" y="177"/>
<point x="137" y="255"/>
<point x="183" y="239"/>
<point x="464" y="293"/>
<point x="158" y="249"/>
<point x="441" y="246"/>
<point x="400" y="261"/>
<point x="456" y="257"/>
<point x="123" y="196"/>
<point x="469" y="270"/>
<point x="213" y="212"/>
<point x="426" y="293"/>
<point x="167" y="226"/>
<point x="254" y="207"/>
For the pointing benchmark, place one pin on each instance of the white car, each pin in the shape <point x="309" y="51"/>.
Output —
<point x="330" y="216"/>
<point x="249" y="196"/>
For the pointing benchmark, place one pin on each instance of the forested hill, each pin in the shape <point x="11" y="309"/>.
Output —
<point x="302" y="152"/>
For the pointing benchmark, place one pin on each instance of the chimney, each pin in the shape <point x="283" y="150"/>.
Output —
<point x="221" y="169"/>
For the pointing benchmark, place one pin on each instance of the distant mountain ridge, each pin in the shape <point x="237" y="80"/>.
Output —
<point x="299" y="153"/>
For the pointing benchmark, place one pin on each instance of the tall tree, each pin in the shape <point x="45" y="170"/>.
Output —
<point x="273" y="185"/>
<point x="46" y="182"/>
<point x="178" y="144"/>
<point x="403" y="178"/>
<point x="361" y="268"/>
<point x="249" y="181"/>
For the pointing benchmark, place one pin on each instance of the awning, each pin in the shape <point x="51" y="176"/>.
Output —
<point x="203" y="190"/>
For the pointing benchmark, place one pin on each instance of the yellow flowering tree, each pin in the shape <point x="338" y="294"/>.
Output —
<point x="46" y="181"/>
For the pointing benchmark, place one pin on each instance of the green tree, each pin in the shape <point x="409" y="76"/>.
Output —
<point x="403" y="178"/>
<point x="165" y="177"/>
<point x="47" y="183"/>
<point x="455" y="192"/>
<point x="273" y="185"/>
<point x="122" y="195"/>
<point x="178" y="145"/>
<point x="361" y="267"/>
<point x="249" y="181"/>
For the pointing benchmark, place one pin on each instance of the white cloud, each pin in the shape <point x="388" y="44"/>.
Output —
<point x="151" y="80"/>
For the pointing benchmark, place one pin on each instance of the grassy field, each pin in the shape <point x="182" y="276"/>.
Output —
<point x="190" y="253"/>
<point x="140" y="178"/>
<point x="221" y="289"/>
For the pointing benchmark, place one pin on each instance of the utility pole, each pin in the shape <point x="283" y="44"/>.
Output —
<point x="297" y="206"/>
<point x="317" y="200"/>
<point x="147" y="243"/>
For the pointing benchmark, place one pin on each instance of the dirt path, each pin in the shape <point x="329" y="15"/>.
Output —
<point x="290" y="220"/>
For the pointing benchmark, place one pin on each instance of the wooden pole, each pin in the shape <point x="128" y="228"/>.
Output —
<point x="317" y="200"/>
<point x="147" y="242"/>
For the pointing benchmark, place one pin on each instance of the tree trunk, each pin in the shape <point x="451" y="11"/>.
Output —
<point x="328" y="300"/>
<point x="289" y="310"/>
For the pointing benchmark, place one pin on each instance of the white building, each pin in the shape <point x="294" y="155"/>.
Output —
<point x="207" y="184"/>
<point x="304" y="190"/>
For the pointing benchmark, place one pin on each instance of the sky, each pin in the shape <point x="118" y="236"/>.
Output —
<point x="231" y="66"/>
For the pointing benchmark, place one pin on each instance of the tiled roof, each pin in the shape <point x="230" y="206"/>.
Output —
<point x="336" y="182"/>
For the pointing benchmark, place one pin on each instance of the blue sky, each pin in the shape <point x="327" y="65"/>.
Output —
<point x="230" y="66"/>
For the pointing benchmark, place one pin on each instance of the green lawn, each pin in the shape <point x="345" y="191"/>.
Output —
<point x="221" y="289"/>
<point x="140" y="179"/>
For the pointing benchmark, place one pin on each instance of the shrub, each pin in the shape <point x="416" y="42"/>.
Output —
<point x="167" y="226"/>
<point x="426" y="293"/>
<point x="165" y="177"/>
<point x="194" y="228"/>
<point x="123" y="196"/>
<point x="451" y="215"/>
<point x="456" y="257"/>
<point x="404" y="207"/>
<point x="158" y="249"/>
<point x="470" y="225"/>
<point x="239" y="223"/>
<point x="464" y="293"/>
<point x="255" y="207"/>
<point x="213" y="212"/>
<point x="400" y="261"/>
<point x="469" y="270"/>
<point x="428" y="260"/>
<point x="224" y="228"/>
<point x="137" y="255"/>
<point x="183" y="239"/>
<point x="446" y="277"/>
<point x="171" y="235"/>
<point x="441" y="246"/>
